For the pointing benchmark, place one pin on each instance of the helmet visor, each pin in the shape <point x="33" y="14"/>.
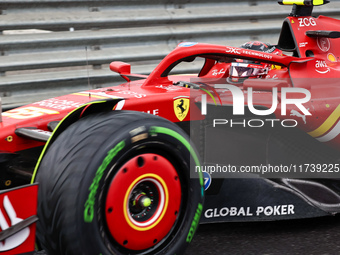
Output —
<point x="243" y="70"/>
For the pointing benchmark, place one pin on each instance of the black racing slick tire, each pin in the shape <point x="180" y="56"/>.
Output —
<point x="119" y="182"/>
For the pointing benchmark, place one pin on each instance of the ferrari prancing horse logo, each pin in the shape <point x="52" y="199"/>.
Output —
<point x="181" y="107"/>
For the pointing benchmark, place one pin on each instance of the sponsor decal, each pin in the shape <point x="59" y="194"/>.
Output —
<point x="233" y="50"/>
<point x="153" y="112"/>
<point x="257" y="54"/>
<point x="274" y="77"/>
<point x="187" y="44"/>
<point x="321" y="67"/>
<point x="58" y="104"/>
<point x="195" y="223"/>
<point x="103" y="94"/>
<point x="169" y="87"/>
<point x="207" y="179"/>
<point x="323" y="43"/>
<point x="259" y="211"/>
<point x="181" y="107"/>
<point x="297" y="114"/>
<point x="303" y="44"/>
<point x="216" y="72"/>
<point x="18" y="238"/>
<point x="130" y="93"/>
<point x="331" y="57"/>
<point x="17" y="206"/>
<point x="90" y="202"/>
<point x="28" y="112"/>
<point x="307" y="22"/>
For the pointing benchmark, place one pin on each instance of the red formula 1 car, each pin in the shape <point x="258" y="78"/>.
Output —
<point x="125" y="169"/>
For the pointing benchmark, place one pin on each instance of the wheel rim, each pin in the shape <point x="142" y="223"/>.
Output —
<point x="143" y="201"/>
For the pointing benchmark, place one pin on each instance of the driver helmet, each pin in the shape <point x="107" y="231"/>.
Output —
<point x="242" y="69"/>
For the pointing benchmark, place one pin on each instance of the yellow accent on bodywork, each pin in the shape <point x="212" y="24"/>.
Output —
<point x="56" y="131"/>
<point x="329" y="122"/>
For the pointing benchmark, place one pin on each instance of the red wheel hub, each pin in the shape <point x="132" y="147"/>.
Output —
<point x="143" y="201"/>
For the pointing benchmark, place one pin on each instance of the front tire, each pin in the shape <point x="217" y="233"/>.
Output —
<point x="119" y="183"/>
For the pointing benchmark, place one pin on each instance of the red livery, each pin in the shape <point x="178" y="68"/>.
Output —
<point x="249" y="133"/>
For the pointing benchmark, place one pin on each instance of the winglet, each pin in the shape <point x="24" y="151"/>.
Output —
<point x="302" y="7"/>
<point x="303" y="2"/>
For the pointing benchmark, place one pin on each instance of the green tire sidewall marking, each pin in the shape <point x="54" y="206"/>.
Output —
<point x="162" y="130"/>
<point x="170" y="132"/>
<point x="194" y="223"/>
<point x="90" y="202"/>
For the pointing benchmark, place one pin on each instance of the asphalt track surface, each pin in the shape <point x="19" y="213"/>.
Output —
<point x="319" y="236"/>
<point x="309" y="236"/>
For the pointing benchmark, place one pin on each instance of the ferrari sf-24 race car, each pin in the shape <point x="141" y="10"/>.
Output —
<point x="125" y="169"/>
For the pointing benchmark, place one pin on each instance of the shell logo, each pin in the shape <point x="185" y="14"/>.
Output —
<point x="331" y="57"/>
